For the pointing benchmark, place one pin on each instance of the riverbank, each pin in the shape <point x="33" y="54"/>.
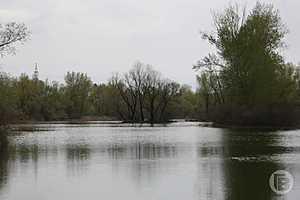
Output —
<point x="253" y="127"/>
<point x="26" y="125"/>
<point x="98" y="120"/>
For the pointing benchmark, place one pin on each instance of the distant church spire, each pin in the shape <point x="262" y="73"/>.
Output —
<point x="35" y="73"/>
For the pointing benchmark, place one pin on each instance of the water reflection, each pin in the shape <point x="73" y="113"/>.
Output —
<point x="245" y="177"/>
<point x="145" y="163"/>
<point x="141" y="150"/>
<point x="4" y="167"/>
<point x="242" y="166"/>
<point x="77" y="158"/>
<point x="142" y="162"/>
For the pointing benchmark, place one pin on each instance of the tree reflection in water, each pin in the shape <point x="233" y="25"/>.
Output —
<point x="4" y="167"/>
<point x="78" y="156"/>
<point x="177" y="163"/>
<point x="240" y="166"/>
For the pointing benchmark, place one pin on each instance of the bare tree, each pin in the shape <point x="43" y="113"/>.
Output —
<point x="127" y="93"/>
<point x="138" y="76"/>
<point x="169" y="90"/>
<point x="10" y="34"/>
<point x="145" y="93"/>
<point x="152" y="92"/>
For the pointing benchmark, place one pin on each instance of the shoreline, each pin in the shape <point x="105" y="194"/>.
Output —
<point x="254" y="127"/>
<point x="201" y="124"/>
<point x="98" y="121"/>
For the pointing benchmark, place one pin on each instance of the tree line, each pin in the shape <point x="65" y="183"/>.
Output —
<point x="140" y="95"/>
<point x="246" y="81"/>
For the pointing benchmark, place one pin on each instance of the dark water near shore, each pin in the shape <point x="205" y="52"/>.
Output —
<point x="181" y="161"/>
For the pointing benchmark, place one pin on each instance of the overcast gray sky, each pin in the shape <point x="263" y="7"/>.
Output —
<point x="104" y="36"/>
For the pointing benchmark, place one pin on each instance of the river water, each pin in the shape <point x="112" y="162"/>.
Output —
<point x="180" y="161"/>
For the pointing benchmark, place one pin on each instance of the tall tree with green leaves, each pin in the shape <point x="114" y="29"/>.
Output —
<point x="8" y="99"/>
<point x="247" y="69"/>
<point x="77" y="92"/>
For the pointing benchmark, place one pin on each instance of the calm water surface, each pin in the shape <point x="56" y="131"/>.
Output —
<point x="181" y="161"/>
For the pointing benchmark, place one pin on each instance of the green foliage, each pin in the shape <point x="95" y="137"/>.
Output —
<point x="8" y="99"/>
<point x="247" y="74"/>
<point x="185" y="104"/>
<point x="77" y="91"/>
<point x="102" y="100"/>
<point x="53" y="101"/>
<point x="29" y="97"/>
<point x="140" y="95"/>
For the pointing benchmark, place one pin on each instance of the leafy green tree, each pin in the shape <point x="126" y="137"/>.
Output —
<point x="185" y="104"/>
<point x="103" y="100"/>
<point x="29" y="93"/>
<point x="77" y="92"/>
<point x="52" y="102"/>
<point x="247" y="70"/>
<point x="8" y="103"/>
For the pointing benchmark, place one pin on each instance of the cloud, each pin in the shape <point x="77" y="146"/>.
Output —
<point x="15" y="15"/>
